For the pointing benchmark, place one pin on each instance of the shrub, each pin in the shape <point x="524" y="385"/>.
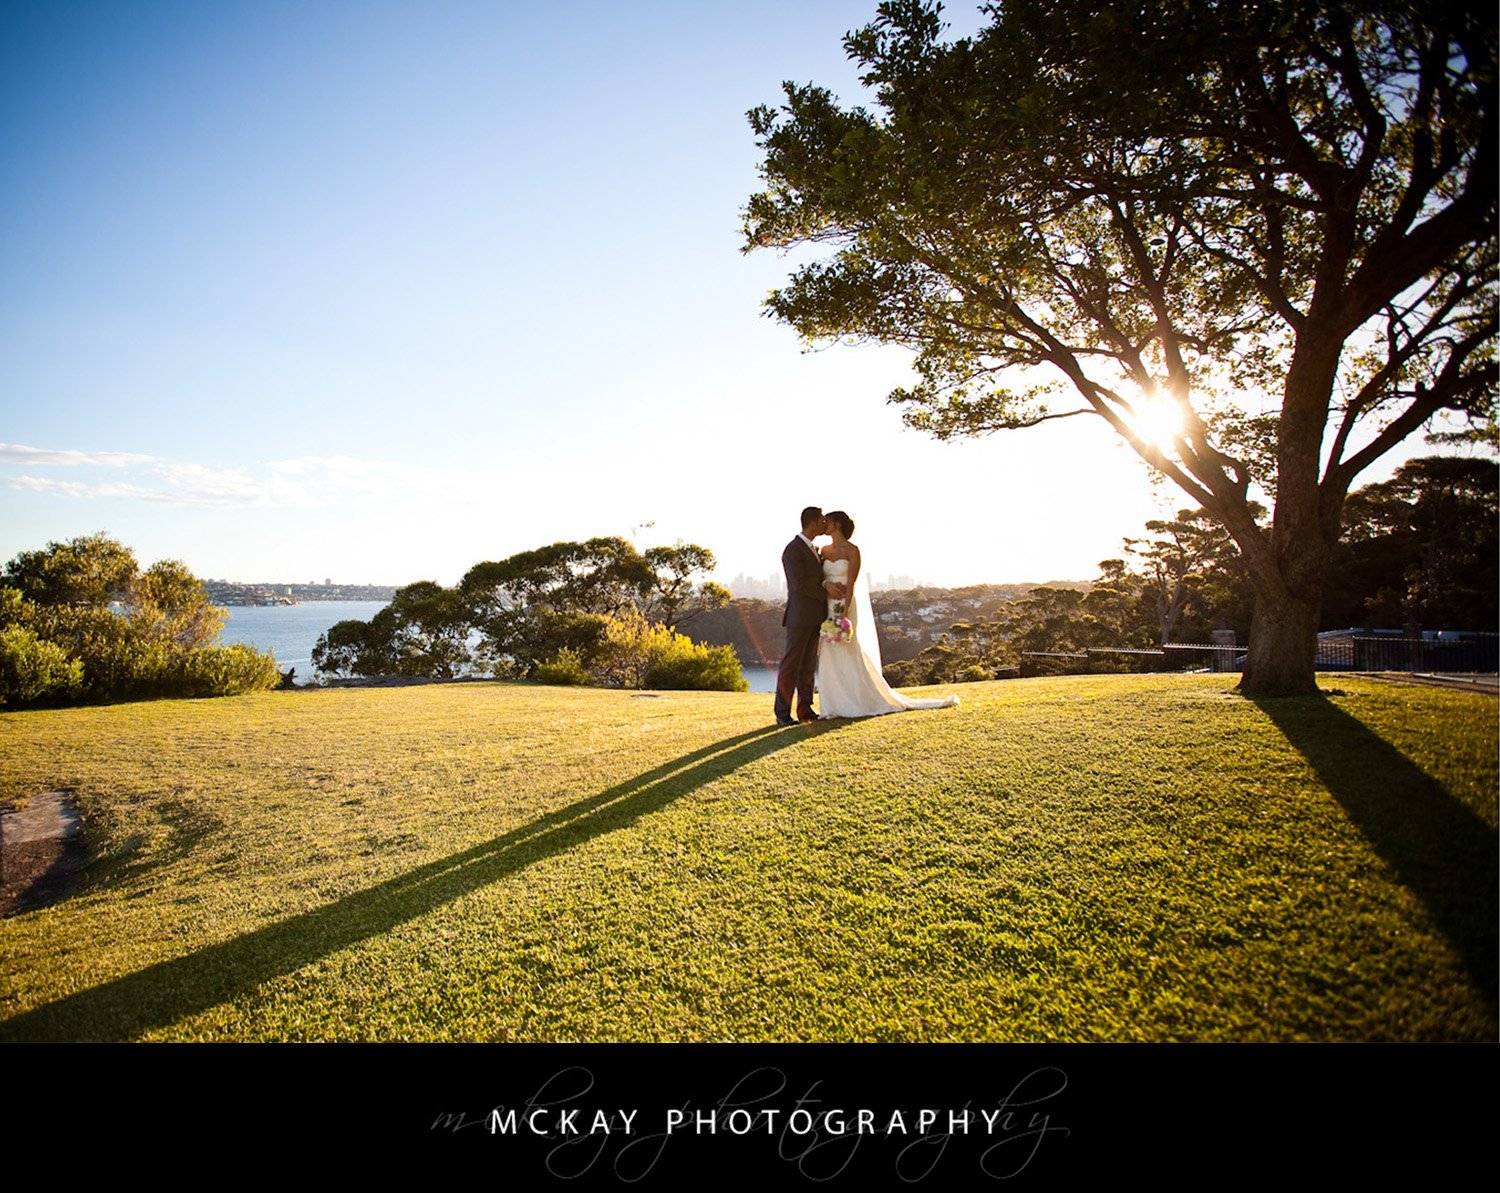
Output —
<point x="224" y="671"/>
<point x="33" y="671"/>
<point x="637" y="654"/>
<point x="566" y="668"/>
<point x="82" y="622"/>
<point x="690" y="665"/>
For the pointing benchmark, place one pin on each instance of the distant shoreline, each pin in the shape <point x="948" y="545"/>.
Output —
<point x="233" y="593"/>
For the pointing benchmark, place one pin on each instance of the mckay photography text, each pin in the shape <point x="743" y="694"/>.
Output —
<point x="804" y="1125"/>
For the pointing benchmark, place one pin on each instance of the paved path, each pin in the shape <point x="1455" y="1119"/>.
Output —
<point x="41" y="848"/>
<point x="1471" y="683"/>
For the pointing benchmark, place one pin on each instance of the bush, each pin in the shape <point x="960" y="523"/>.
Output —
<point x="566" y="668"/>
<point x="637" y="654"/>
<point x="225" y="671"/>
<point x="82" y="622"/>
<point x="33" y="671"/>
<point x="690" y="665"/>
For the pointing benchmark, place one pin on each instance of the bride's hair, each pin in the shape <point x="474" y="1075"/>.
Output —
<point x="845" y="522"/>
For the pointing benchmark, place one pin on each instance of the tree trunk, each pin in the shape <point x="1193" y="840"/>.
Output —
<point x="1283" y="647"/>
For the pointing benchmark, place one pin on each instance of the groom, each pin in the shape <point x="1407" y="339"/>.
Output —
<point x="806" y="606"/>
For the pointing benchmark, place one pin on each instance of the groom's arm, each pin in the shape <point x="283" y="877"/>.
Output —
<point x="795" y="563"/>
<point x="804" y="574"/>
<point x="792" y="560"/>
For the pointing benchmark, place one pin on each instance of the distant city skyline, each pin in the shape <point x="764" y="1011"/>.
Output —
<point x="765" y="587"/>
<point x="774" y="584"/>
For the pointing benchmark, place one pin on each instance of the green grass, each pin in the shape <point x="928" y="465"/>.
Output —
<point x="1096" y="858"/>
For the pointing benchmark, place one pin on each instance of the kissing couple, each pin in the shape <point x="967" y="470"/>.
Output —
<point x="830" y="630"/>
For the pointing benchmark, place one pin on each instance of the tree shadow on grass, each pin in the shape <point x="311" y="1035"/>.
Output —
<point x="1440" y="849"/>
<point x="168" y="991"/>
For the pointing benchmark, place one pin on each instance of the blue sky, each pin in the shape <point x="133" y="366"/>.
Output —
<point x="378" y="290"/>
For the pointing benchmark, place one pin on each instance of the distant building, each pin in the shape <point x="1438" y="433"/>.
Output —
<point x="771" y="588"/>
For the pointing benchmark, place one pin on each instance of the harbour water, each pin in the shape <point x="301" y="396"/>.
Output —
<point x="290" y="631"/>
<point x="762" y="679"/>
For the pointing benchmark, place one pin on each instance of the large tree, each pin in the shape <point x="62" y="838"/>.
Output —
<point x="1257" y="239"/>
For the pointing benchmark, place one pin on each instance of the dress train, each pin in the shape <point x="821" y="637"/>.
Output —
<point x="849" y="680"/>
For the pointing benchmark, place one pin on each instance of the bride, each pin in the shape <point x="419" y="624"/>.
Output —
<point x="849" y="679"/>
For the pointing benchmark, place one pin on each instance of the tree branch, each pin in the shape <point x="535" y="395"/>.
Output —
<point x="1451" y="384"/>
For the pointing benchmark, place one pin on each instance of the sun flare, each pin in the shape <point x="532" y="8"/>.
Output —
<point x="1157" y="419"/>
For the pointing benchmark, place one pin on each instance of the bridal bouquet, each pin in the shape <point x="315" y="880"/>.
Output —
<point x="837" y="628"/>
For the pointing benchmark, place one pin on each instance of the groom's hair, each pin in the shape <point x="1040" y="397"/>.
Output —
<point x="810" y="515"/>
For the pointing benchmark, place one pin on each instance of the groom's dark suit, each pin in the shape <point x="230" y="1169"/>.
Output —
<point x="806" y="607"/>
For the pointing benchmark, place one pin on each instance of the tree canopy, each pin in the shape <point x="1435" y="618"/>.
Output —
<point x="1420" y="549"/>
<point x="572" y="612"/>
<point x="1257" y="239"/>
<point x="535" y="603"/>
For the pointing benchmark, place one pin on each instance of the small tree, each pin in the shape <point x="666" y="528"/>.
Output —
<point x="1189" y="559"/>
<point x="90" y="571"/>
<point x="169" y="604"/>
<point x="678" y="594"/>
<point x="425" y="629"/>
<point x="353" y="647"/>
<point x="1258" y="240"/>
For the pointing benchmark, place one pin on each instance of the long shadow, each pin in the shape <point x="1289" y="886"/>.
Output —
<point x="163" y="993"/>
<point x="1440" y="850"/>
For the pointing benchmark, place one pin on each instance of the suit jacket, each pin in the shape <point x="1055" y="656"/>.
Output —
<point x="806" y="598"/>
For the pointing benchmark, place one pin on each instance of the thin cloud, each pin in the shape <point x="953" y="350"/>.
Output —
<point x="300" y="482"/>
<point x="38" y="484"/>
<point x="194" y="484"/>
<point x="16" y="453"/>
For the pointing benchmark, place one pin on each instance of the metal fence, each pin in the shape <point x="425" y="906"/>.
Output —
<point x="1380" y="652"/>
<point x="1347" y="652"/>
<point x="1100" y="660"/>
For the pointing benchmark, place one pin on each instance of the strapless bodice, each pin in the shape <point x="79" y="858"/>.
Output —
<point x="836" y="570"/>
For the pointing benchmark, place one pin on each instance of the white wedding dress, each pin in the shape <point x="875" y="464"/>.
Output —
<point x="849" y="679"/>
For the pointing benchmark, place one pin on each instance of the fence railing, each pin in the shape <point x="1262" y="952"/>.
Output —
<point x="1354" y="652"/>
<point x="1360" y="652"/>
<point x="1178" y="656"/>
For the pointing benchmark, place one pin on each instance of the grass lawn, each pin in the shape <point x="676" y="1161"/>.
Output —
<point x="1092" y="858"/>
